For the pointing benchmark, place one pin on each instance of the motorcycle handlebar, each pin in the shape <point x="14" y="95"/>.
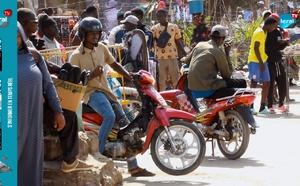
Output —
<point x="136" y="76"/>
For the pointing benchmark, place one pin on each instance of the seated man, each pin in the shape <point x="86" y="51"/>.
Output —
<point x="206" y="61"/>
<point x="95" y="57"/>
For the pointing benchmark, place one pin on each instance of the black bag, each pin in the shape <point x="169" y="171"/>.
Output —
<point x="163" y="39"/>
<point x="132" y="65"/>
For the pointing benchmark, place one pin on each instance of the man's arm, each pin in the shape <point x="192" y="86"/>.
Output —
<point x="180" y="47"/>
<point x="257" y="53"/>
<point x="118" y="68"/>
<point x="52" y="67"/>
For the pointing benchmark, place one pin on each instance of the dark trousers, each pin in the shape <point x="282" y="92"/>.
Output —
<point x="278" y="74"/>
<point x="229" y="89"/>
<point x="68" y="136"/>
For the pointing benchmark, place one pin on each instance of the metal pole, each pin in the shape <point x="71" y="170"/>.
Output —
<point x="45" y="3"/>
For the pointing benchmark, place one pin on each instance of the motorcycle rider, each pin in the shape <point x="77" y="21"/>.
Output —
<point x="206" y="61"/>
<point x="94" y="56"/>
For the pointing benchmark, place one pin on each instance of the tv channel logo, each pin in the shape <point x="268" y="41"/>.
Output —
<point x="4" y="19"/>
<point x="286" y="20"/>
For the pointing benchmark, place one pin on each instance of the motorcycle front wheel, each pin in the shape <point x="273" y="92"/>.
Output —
<point x="189" y="148"/>
<point x="236" y="144"/>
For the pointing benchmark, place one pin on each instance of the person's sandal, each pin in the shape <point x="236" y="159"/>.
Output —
<point x="272" y="110"/>
<point x="142" y="173"/>
<point x="77" y="165"/>
<point x="283" y="108"/>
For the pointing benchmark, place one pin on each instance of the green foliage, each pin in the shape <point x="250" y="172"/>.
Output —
<point x="243" y="32"/>
<point x="242" y="39"/>
<point x="187" y="31"/>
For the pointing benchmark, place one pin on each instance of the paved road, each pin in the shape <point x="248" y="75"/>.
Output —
<point x="272" y="158"/>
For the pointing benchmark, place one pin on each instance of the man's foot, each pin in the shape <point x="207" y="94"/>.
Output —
<point x="77" y="165"/>
<point x="265" y="111"/>
<point x="272" y="110"/>
<point x="283" y="108"/>
<point x="290" y="99"/>
<point x="253" y="112"/>
<point x="139" y="172"/>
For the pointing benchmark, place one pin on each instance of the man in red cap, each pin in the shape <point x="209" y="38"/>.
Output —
<point x="275" y="42"/>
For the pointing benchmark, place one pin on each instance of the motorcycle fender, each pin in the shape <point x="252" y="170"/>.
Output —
<point x="247" y="115"/>
<point x="153" y="125"/>
<point x="163" y="116"/>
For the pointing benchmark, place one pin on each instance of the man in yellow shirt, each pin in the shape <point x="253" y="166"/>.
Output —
<point x="94" y="56"/>
<point x="257" y="61"/>
<point x="167" y="57"/>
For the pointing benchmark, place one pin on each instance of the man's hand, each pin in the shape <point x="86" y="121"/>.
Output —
<point x="98" y="71"/>
<point x="262" y="66"/>
<point x="59" y="121"/>
<point x="227" y="48"/>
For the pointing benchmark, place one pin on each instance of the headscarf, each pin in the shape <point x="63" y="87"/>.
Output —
<point x="23" y="36"/>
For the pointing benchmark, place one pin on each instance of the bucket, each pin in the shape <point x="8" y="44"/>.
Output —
<point x="196" y="6"/>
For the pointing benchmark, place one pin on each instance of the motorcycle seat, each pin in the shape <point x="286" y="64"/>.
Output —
<point x="87" y="109"/>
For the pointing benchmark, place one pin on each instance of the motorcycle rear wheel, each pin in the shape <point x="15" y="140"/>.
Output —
<point x="234" y="147"/>
<point x="190" y="148"/>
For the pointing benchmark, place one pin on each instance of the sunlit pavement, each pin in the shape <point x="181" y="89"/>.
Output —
<point x="272" y="157"/>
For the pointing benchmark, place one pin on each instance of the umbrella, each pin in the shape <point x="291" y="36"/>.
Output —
<point x="294" y="32"/>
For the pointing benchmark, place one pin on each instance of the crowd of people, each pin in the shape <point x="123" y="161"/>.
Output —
<point x="206" y="59"/>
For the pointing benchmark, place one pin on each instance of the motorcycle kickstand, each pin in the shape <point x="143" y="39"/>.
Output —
<point x="212" y="146"/>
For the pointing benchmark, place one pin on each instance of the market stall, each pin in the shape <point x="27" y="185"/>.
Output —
<point x="65" y="25"/>
<point x="289" y="53"/>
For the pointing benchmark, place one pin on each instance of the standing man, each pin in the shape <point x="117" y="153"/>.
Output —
<point x="274" y="44"/>
<point x="257" y="62"/>
<point x="167" y="56"/>
<point x="139" y="13"/>
<point x="201" y="31"/>
<point x="116" y="34"/>
<point x="135" y="42"/>
<point x="50" y="30"/>
<point x="69" y="135"/>
<point x="261" y="9"/>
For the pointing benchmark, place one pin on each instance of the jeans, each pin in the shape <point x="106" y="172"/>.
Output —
<point x="111" y="111"/>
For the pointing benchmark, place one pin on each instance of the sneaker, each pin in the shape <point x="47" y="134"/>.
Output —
<point x="272" y="111"/>
<point x="283" y="108"/>
<point x="253" y="112"/>
<point x="77" y="165"/>
<point x="139" y="172"/>
<point x="265" y="111"/>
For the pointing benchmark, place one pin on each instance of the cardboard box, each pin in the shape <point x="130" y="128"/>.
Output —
<point x="69" y="94"/>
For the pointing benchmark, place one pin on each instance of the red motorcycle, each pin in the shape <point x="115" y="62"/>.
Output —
<point x="225" y="119"/>
<point x="177" y="146"/>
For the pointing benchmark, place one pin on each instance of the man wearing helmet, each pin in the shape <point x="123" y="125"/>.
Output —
<point x="206" y="61"/>
<point x="94" y="56"/>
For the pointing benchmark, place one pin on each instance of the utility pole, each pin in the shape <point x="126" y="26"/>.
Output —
<point x="284" y="6"/>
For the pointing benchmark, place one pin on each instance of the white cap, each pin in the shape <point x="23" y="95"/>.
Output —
<point x="222" y="31"/>
<point x="265" y="12"/>
<point x="261" y="2"/>
<point x="130" y="19"/>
